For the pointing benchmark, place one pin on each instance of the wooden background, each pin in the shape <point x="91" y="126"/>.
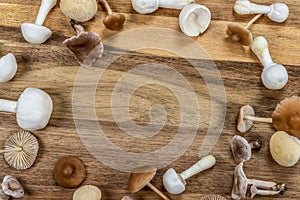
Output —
<point x="53" y="68"/>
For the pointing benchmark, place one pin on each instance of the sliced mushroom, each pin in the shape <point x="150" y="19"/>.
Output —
<point x="12" y="187"/>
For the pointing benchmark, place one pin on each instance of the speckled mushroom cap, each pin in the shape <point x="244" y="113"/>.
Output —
<point x="238" y="32"/>
<point x="286" y="116"/>
<point x="213" y="197"/>
<point x="140" y="177"/>
<point x="244" y="125"/>
<point x="69" y="172"/>
<point x="87" y="192"/>
<point x="240" y="148"/>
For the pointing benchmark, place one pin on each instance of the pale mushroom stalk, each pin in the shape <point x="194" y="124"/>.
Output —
<point x="11" y="150"/>
<point x="255" y="191"/>
<point x="253" y="20"/>
<point x="177" y="4"/>
<point x="107" y="6"/>
<point x="263" y="184"/>
<point x="44" y="10"/>
<point x="157" y="191"/>
<point x="259" y="119"/>
<point x="8" y="106"/>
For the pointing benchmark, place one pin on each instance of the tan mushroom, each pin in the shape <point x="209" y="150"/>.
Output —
<point x="113" y="21"/>
<point x="141" y="177"/>
<point x="89" y="192"/>
<point x="12" y="187"/>
<point x="213" y="197"/>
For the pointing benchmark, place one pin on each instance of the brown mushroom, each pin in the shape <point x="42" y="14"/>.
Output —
<point x="212" y="197"/>
<point x="140" y="177"/>
<point x="241" y="33"/>
<point x="69" y="172"/>
<point x="12" y="187"/>
<point x="113" y="21"/>
<point x="87" y="46"/>
<point x="241" y="148"/>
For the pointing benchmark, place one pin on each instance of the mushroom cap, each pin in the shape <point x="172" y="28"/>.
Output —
<point x="34" y="33"/>
<point x="24" y="158"/>
<point x="241" y="149"/>
<point x="238" y="33"/>
<point x="34" y="109"/>
<point x="140" y="177"/>
<point x="274" y="77"/>
<point x="194" y="19"/>
<point x="87" y="46"/>
<point x="145" y="6"/>
<point x="69" y="171"/>
<point x="286" y="116"/>
<point x="213" y="197"/>
<point x="115" y="21"/>
<point x="244" y="125"/>
<point x="240" y="183"/>
<point x="284" y="149"/>
<point x="89" y="192"/>
<point x="79" y="10"/>
<point x="8" y="67"/>
<point x="279" y="12"/>
<point x="12" y="187"/>
<point x="173" y="183"/>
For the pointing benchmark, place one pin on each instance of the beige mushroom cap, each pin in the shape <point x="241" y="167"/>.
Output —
<point x="140" y="177"/>
<point x="244" y="125"/>
<point x="284" y="149"/>
<point x="89" y="192"/>
<point x="238" y="33"/>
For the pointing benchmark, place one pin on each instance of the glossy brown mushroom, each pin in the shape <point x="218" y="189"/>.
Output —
<point x="113" y="21"/>
<point x="69" y="172"/>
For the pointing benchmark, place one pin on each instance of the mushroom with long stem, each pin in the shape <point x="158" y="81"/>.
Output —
<point x="277" y="12"/>
<point x="37" y="33"/>
<point x="175" y="183"/>
<point x="33" y="109"/>
<point x="8" y="67"/>
<point x="113" y="21"/>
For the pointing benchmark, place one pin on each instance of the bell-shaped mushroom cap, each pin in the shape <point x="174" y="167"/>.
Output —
<point x="34" y="109"/>
<point x="238" y="33"/>
<point x="213" y="197"/>
<point x="274" y="77"/>
<point x="87" y="46"/>
<point x="244" y="125"/>
<point x="8" y="67"/>
<point x="241" y="149"/>
<point x="115" y="21"/>
<point x="21" y="150"/>
<point x="12" y="187"/>
<point x="34" y="33"/>
<point x="240" y="183"/>
<point x="279" y="12"/>
<point x="89" y="192"/>
<point x="140" y="177"/>
<point x="69" y="172"/>
<point x="284" y="149"/>
<point x="286" y="116"/>
<point x="173" y="183"/>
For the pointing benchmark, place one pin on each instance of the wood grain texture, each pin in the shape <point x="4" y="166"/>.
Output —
<point x="53" y="68"/>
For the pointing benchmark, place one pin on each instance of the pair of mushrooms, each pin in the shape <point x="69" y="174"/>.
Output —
<point x="11" y="188"/>
<point x="174" y="183"/>
<point x="274" y="76"/>
<point x="194" y="19"/>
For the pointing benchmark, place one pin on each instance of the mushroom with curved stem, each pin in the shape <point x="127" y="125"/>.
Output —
<point x="277" y="12"/>
<point x="194" y="19"/>
<point x="89" y="192"/>
<point x="113" y="21"/>
<point x="141" y="177"/>
<point x="237" y="32"/>
<point x="36" y="33"/>
<point x="12" y="187"/>
<point x="150" y="6"/>
<point x="8" y="67"/>
<point x="175" y="183"/>
<point x="241" y="148"/>
<point x="274" y="76"/>
<point x="33" y="109"/>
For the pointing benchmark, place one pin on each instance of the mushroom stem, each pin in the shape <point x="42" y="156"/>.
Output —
<point x="45" y="8"/>
<point x="261" y="50"/>
<point x="263" y="184"/>
<point x="157" y="191"/>
<point x="10" y="150"/>
<point x="255" y="191"/>
<point x="8" y="106"/>
<point x="254" y="19"/>
<point x="247" y="7"/>
<point x="259" y="119"/>
<point x="107" y="7"/>
<point x="179" y="4"/>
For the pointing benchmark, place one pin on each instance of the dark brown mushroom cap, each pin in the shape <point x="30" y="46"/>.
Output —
<point x="238" y="33"/>
<point x="240" y="183"/>
<point x="140" y="177"/>
<point x="244" y="125"/>
<point x="286" y="116"/>
<point x="115" y="21"/>
<point x="213" y="197"/>
<point x="241" y="149"/>
<point x="69" y="172"/>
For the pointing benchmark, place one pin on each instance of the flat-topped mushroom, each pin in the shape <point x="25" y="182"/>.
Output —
<point x="113" y="21"/>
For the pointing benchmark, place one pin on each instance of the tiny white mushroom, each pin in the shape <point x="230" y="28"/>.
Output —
<point x="175" y="183"/>
<point x="194" y="19"/>
<point x="8" y="67"/>
<point x="12" y="187"/>
<point x="36" y="33"/>
<point x="277" y="12"/>
<point x="150" y="6"/>
<point x="274" y="76"/>
<point x="33" y="109"/>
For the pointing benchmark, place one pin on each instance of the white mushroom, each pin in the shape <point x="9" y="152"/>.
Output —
<point x="194" y="19"/>
<point x="150" y="6"/>
<point x="8" y="67"/>
<point x="277" y="12"/>
<point x="175" y="183"/>
<point x="274" y="76"/>
<point x="12" y="187"/>
<point x="36" y="33"/>
<point x="33" y="109"/>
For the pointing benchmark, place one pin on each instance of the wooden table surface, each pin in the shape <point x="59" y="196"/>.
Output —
<point x="52" y="67"/>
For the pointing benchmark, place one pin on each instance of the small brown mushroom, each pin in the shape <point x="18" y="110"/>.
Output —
<point x="140" y="177"/>
<point x="114" y="21"/>
<point x="12" y="187"/>
<point x="87" y="46"/>
<point x="241" y="33"/>
<point x="3" y="196"/>
<point x="69" y="172"/>
<point x="241" y="148"/>
<point x="212" y="197"/>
